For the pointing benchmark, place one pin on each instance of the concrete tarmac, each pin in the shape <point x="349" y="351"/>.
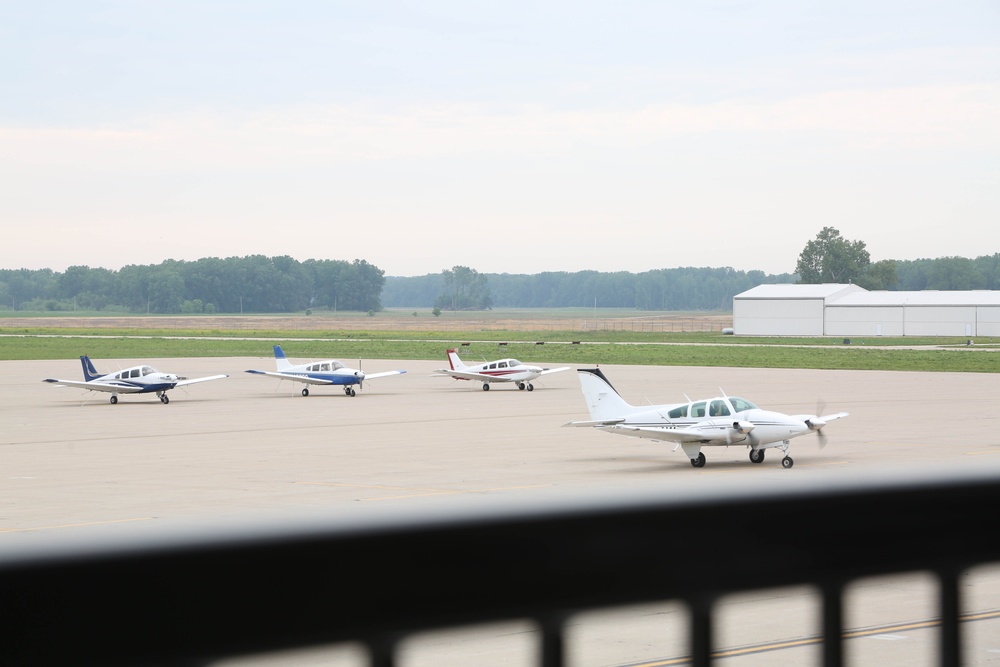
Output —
<point x="250" y="448"/>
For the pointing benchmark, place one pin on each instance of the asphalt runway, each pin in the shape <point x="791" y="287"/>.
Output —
<point x="251" y="448"/>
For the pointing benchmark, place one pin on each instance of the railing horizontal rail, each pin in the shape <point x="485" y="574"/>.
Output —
<point x="193" y="596"/>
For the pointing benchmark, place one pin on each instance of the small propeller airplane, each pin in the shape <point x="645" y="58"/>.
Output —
<point x="327" y="372"/>
<point x="720" y="421"/>
<point x="142" y="379"/>
<point x="502" y="370"/>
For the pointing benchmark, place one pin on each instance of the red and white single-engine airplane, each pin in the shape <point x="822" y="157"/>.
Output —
<point x="142" y="379"/>
<point x="502" y="370"/>
<point x="720" y="421"/>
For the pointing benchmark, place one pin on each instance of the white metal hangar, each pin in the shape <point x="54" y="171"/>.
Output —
<point x="849" y="310"/>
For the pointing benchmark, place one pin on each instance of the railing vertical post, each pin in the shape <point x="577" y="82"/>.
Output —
<point x="701" y="631"/>
<point x="951" y="648"/>
<point x="553" y="641"/>
<point x="382" y="651"/>
<point x="833" y="625"/>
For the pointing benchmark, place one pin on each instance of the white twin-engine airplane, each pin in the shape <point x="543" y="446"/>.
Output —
<point x="325" y="372"/>
<point x="502" y="370"/>
<point x="722" y="421"/>
<point x="135" y="380"/>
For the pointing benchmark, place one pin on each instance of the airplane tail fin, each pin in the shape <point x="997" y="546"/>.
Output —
<point x="453" y="360"/>
<point x="603" y="401"/>
<point x="89" y="372"/>
<point x="280" y="360"/>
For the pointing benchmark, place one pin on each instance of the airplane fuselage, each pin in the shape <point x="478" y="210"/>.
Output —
<point x="752" y="427"/>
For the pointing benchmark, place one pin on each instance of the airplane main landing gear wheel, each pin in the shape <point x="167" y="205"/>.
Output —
<point x="699" y="462"/>
<point x="114" y="399"/>
<point x="164" y="399"/>
<point x="520" y="385"/>
<point x="486" y="386"/>
<point x="305" y="391"/>
<point x="531" y="387"/>
<point x="757" y="455"/>
<point x="787" y="462"/>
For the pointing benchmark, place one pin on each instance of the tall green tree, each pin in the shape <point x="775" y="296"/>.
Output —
<point x="830" y="258"/>
<point x="464" y="289"/>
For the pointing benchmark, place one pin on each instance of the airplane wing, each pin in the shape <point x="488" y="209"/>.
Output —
<point x="369" y="376"/>
<point x="97" y="386"/>
<point x="204" y="379"/>
<point x="546" y="371"/>
<point x="289" y="376"/>
<point x="707" y="434"/>
<point x="597" y="422"/>
<point x="465" y="375"/>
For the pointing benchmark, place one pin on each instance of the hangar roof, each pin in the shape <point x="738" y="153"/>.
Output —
<point x="826" y="291"/>
<point x="920" y="298"/>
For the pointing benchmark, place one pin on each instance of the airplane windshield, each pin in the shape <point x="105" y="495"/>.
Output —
<point x="337" y="365"/>
<point x="514" y="362"/>
<point x="148" y="370"/>
<point x="741" y="404"/>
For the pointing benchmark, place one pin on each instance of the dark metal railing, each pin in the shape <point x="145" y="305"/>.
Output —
<point x="191" y="597"/>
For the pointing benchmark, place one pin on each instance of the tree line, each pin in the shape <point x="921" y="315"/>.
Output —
<point x="259" y="284"/>
<point x="253" y="284"/>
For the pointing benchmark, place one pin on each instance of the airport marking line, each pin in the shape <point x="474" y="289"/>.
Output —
<point x="880" y="631"/>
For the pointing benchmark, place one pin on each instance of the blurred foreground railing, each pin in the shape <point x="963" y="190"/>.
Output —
<point x="189" y="598"/>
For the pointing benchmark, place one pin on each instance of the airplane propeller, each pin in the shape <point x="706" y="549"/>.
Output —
<point x="817" y="424"/>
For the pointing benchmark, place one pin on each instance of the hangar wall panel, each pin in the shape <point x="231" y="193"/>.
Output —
<point x="940" y="321"/>
<point x="988" y="321"/>
<point x="778" y="317"/>
<point x="864" y="321"/>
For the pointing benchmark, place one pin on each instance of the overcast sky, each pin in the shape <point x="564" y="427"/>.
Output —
<point x="514" y="137"/>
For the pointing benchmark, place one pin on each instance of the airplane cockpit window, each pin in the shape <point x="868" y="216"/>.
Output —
<point x="698" y="409"/>
<point x="741" y="404"/>
<point x="502" y="364"/>
<point x="337" y="365"/>
<point x="514" y="362"/>
<point x="324" y="367"/>
<point x="718" y="408"/>
<point x="678" y="412"/>
<point x="148" y="370"/>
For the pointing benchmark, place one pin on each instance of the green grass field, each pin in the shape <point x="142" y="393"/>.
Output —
<point x="549" y="347"/>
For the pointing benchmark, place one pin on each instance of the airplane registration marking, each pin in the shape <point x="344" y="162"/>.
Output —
<point x="74" y="525"/>
<point x="881" y="632"/>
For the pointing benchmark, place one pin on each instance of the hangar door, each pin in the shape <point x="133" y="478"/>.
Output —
<point x="778" y="317"/>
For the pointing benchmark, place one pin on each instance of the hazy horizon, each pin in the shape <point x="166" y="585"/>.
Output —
<point x="514" y="138"/>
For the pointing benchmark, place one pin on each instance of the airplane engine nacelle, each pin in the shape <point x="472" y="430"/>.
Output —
<point x="815" y="424"/>
<point x="743" y="427"/>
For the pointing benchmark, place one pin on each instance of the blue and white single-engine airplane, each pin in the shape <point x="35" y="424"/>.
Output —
<point x="720" y="421"/>
<point x="135" y="380"/>
<point x="502" y="370"/>
<point x="327" y="372"/>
